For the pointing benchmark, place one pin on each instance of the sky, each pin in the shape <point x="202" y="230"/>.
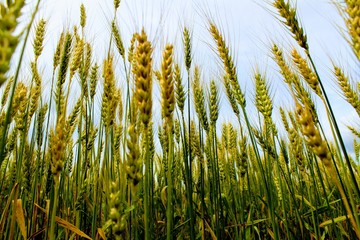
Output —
<point x="249" y="26"/>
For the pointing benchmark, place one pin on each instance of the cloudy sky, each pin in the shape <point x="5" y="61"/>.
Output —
<point x="250" y="26"/>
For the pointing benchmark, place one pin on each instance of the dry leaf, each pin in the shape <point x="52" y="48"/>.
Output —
<point x="67" y="225"/>
<point x="101" y="233"/>
<point x="20" y="218"/>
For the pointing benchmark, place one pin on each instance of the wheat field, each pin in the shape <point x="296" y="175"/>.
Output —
<point x="99" y="162"/>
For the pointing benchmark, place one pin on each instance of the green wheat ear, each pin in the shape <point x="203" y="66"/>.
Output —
<point x="8" y="40"/>
<point x="262" y="97"/>
<point x="180" y="93"/>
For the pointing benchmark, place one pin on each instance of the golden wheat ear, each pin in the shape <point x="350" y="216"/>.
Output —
<point x="57" y="148"/>
<point x="39" y="38"/>
<point x="167" y="83"/>
<point x="142" y="69"/>
<point x="348" y="91"/>
<point x="291" y="20"/>
<point x="229" y="65"/>
<point x="307" y="73"/>
<point x="110" y="98"/>
<point x="353" y="24"/>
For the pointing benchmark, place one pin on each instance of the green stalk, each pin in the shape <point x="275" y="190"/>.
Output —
<point x="97" y="197"/>
<point x="94" y="213"/>
<point x="202" y="184"/>
<point x="170" y="208"/>
<point x="112" y="167"/>
<point x="146" y="191"/>
<point x="262" y="171"/>
<point x="87" y="132"/>
<point x="286" y="218"/>
<point x="334" y="122"/>
<point x="188" y="181"/>
<point x="324" y="189"/>
<point x="24" y="134"/>
<point x="338" y="136"/>
<point x="216" y="184"/>
<point x="78" y="181"/>
<point x="270" y="136"/>
<point x="147" y="208"/>
<point x="35" y="177"/>
<point x="53" y="213"/>
<point x="47" y="123"/>
<point x="190" y="191"/>
<point x="8" y="111"/>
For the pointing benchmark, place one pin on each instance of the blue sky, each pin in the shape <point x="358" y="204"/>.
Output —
<point x="250" y="26"/>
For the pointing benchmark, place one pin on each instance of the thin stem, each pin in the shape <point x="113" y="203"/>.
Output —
<point x="333" y="120"/>
<point x="146" y="189"/>
<point x="8" y="111"/>
<point x="170" y="209"/>
<point x="54" y="207"/>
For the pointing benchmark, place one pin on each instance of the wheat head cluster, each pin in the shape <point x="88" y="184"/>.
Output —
<point x="98" y="163"/>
